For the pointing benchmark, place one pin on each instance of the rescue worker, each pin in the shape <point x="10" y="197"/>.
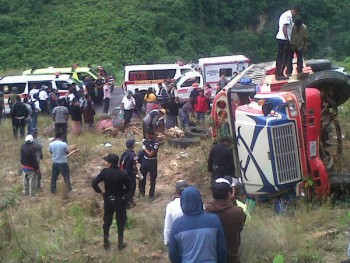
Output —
<point x="152" y="120"/>
<point x="220" y="161"/>
<point x="117" y="187"/>
<point x="128" y="162"/>
<point x="149" y="164"/>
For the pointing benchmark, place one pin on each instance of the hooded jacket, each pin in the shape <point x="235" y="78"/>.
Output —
<point x="232" y="219"/>
<point x="196" y="236"/>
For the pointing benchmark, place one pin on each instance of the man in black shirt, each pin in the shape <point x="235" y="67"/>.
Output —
<point x="117" y="187"/>
<point x="220" y="161"/>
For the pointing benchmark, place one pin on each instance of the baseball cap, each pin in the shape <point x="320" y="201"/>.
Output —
<point x="29" y="139"/>
<point x="129" y="92"/>
<point x="111" y="158"/>
<point x="221" y="187"/>
<point x="163" y="111"/>
<point x="130" y="143"/>
<point x="232" y="182"/>
<point x="180" y="185"/>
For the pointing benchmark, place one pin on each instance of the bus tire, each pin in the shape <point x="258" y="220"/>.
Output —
<point x="318" y="64"/>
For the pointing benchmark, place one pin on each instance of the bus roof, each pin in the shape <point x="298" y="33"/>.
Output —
<point x="223" y="59"/>
<point x="53" y="70"/>
<point x="155" y="66"/>
<point x="24" y="78"/>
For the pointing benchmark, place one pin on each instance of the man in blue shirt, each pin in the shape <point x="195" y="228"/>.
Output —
<point x="59" y="150"/>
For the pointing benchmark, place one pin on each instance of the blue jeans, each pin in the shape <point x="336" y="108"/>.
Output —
<point x="62" y="168"/>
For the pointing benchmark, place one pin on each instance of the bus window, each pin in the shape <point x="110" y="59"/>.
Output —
<point x="164" y="73"/>
<point x="226" y="71"/>
<point x="38" y="84"/>
<point x="7" y="88"/>
<point x="62" y="85"/>
<point x="141" y="75"/>
<point x="189" y="82"/>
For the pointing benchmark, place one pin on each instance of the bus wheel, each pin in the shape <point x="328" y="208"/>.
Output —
<point x="318" y="64"/>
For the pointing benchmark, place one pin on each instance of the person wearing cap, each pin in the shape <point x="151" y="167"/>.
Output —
<point x="220" y="160"/>
<point x="38" y="147"/>
<point x="128" y="106"/>
<point x="173" y="210"/>
<point x="117" y="187"/>
<point x="59" y="150"/>
<point x="128" y="161"/>
<point x="30" y="166"/>
<point x="231" y="216"/>
<point x="194" y="92"/>
<point x="196" y="236"/>
<point x="151" y="120"/>
<point x="18" y="113"/>
<point x="149" y="164"/>
<point x="12" y="97"/>
<point x="150" y="100"/>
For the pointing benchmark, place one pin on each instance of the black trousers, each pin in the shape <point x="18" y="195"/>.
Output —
<point x="127" y="117"/>
<point x="62" y="127"/>
<point x="284" y="57"/>
<point x="18" y="124"/>
<point x="118" y="206"/>
<point x="148" y="166"/>
<point x="106" y="105"/>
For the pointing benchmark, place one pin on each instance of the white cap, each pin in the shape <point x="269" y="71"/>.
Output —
<point x="29" y="139"/>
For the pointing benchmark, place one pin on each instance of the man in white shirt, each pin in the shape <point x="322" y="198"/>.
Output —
<point x="128" y="105"/>
<point x="284" y="51"/>
<point x="43" y="97"/>
<point x="173" y="210"/>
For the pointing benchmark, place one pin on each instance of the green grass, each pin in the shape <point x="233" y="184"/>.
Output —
<point x="56" y="228"/>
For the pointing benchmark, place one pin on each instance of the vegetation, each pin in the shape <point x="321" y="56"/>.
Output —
<point x="61" y="228"/>
<point x="118" y="32"/>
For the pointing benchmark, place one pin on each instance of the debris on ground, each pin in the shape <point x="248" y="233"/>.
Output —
<point x="175" y="132"/>
<point x="73" y="150"/>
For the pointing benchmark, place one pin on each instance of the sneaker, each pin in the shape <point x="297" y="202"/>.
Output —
<point x="121" y="246"/>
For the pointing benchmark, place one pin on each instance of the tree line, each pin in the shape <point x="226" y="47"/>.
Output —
<point x="120" y="32"/>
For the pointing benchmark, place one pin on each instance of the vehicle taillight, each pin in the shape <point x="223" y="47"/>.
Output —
<point x="222" y="114"/>
<point x="221" y="104"/>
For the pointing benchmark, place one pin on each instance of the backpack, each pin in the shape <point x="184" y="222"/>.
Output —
<point x="36" y="96"/>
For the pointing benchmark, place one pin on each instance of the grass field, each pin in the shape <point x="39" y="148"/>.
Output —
<point x="67" y="228"/>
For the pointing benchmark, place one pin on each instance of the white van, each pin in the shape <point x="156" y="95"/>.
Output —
<point x="143" y="77"/>
<point x="25" y="84"/>
<point x="210" y="71"/>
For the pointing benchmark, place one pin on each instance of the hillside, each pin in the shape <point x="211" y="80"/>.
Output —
<point x="67" y="228"/>
<point x="119" y="32"/>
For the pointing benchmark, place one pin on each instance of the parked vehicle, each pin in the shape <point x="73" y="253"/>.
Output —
<point x="143" y="77"/>
<point x="25" y="84"/>
<point x="287" y="137"/>
<point x="78" y="73"/>
<point x="209" y="71"/>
